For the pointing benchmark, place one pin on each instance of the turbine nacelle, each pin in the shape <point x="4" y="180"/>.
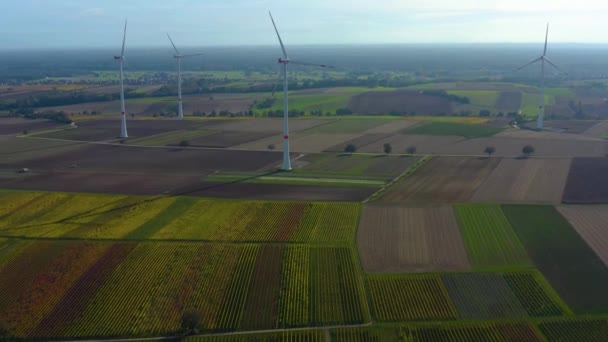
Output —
<point x="283" y="60"/>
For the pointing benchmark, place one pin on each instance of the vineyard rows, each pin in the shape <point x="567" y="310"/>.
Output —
<point x="576" y="330"/>
<point x="84" y="289"/>
<point x="137" y="217"/>
<point x="288" y="336"/>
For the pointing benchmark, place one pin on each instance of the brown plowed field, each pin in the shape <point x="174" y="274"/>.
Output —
<point x="587" y="181"/>
<point x="569" y="126"/>
<point x="599" y="130"/>
<point x="424" y="143"/>
<point x="510" y="147"/>
<point x="359" y="142"/>
<point x="509" y="101"/>
<point x="17" y="125"/>
<point x="443" y="179"/>
<point x="591" y="222"/>
<point x="228" y="139"/>
<point x="400" y="101"/>
<point x="532" y="136"/>
<point x="392" y="126"/>
<point x="410" y="239"/>
<point x="299" y="142"/>
<point x="525" y="180"/>
<point x="269" y="125"/>
<point x="103" y="130"/>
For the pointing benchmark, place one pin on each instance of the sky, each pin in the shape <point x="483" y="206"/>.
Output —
<point x="89" y="23"/>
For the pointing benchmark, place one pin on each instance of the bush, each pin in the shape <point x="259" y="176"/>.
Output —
<point x="528" y="150"/>
<point x="490" y="150"/>
<point x="350" y="148"/>
<point x="411" y="150"/>
<point x="271" y="147"/>
<point x="184" y="143"/>
<point x="191" y="319"/>
<point x="388" y="148"/>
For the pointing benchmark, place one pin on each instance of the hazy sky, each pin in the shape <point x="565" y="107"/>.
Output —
<point x="89" y="23"/>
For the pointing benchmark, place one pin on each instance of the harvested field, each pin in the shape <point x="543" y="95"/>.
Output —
<point x="586" y="181"/>
<point x="569" y="126"/>
<point x="509" y="101"/>
<point x="227" y="139"/>
<point x="512" y="147"/>
<point x="350" y="125"/>
<point x="16" y="150"/>
<point x="573" y="269"/>
<point x="532" y="135"/>
<point x="591" y="222"/>
<point x="400" y="101"/>
<point x="425" y="144"/>
<point x="392" y="126"/>
<point x="410" y="239"/>
<point x="299" y="142"/>
<point x="443" y="179"/>
<point x="525" y="180"/>
<point x="600" y="130"/>
<point x="454" y="129"/>
<point x="489" y="238"/>
<point x="482" y="295"/>
<point x="359" y="142"/>
<point x="18" y="126"/>
<point x="407" y="298"/>
<point x="103" y="130"/>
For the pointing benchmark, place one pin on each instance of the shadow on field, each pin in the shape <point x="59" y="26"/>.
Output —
<point x="112" y="207"/>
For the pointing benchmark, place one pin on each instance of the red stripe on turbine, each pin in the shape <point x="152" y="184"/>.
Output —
<point x="286" y="137"/>
<point x="122" y="113"/>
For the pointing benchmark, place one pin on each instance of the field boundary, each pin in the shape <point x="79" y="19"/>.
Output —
<point x="407" y="172"/>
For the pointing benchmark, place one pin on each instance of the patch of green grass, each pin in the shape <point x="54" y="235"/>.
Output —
<point x="559" y="92"/>
<point x="529" y="103"/>
<point x="384" y="167"/>
<point x="490" y="241"/>
<point x="448" y="128"/>
<point x="295" y="180"/>
<point x="482" y="98"/>
<point x="174" y="137"/>
<point x="572" y="268"/>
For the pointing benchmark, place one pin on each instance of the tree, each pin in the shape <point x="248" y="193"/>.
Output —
<point x="528" y="150"/>
<point x="411" y="150"/>
<point x="25" y="132"/>
<point x="388" y="148"/>
<point x="191" y="319"/>
<point x="184" y="143"/>
<point x="350" y="148"/>
<point x="490" y="150"/>
<point x="271" y="147"/>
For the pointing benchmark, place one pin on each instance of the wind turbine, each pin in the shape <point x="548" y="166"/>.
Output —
<point x="542" y="59"/>
<point x="121" y="59"/>
<point x="284" y="61"/>
<point x="178" y="57"/>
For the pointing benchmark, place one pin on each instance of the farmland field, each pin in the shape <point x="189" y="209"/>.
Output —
<point x="398" y="101"/>
<point x="180" y="218"/>
<point x="358" y="142"/>
<point x="349" y="126"/>
<point x="117" y="289"/>
<point x="407" y="298"/>
<point x="481" y="98"/>
<point x="489" y="238"/>
<point x="570" y="265"/>
<point x="590" y="222"/>
<point x="291" y="336"/>
<point x="586" y="183"/>
<point x="509" y="101"/>
<point x="410" y="239"/>
<point x="455" y="129"/>
<point x="354" y="165"/>
<point x="525" y="180"/>
<point x="576" y="330"/>
<point x="443" y="179"/>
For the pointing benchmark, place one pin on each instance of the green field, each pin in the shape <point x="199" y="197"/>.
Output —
<point x="529" y="103"/>
<point x="490" y="241"/>
<point x="458" y="129"/>
<point x="363" y="166"/>
<point x="572" y="268"/>
<point x="348" y="125"/>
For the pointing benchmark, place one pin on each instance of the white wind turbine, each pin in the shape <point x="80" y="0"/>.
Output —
<point x="178" y="57"/>
<point x="542" y="59"/>
<point x="284" y="61"/>
<point x="121" y="59"/>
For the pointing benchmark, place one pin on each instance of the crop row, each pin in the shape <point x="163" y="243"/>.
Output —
<point x="287" y="336"/>
<point x="461" y="295"/>
<point x="28" y="214"/>
<point x="84" y="289"/>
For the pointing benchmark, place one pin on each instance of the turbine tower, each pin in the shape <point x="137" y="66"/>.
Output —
<point x="121" y="59"/>
<point x="284" y="61"/>
<point x="178" y="57"/>
<point x="542" y="59"/>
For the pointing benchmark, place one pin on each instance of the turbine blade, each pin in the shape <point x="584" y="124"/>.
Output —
<point x="546" y="40"/>
<point x="534" y="61"/>
<point x="310" y="64"/>
<point x="278" y="35"/>
<point x="174" y="47"/>
<point x="124" y="39"/>
<point x="555" y="66"/>
<point x="193" y="55"/>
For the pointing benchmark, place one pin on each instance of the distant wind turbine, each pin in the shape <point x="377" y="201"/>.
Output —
<point x="542" y="59"/>
<point x="121" y="59"/>
<point x="178" y="57"/>
<point x="284" y="61"/>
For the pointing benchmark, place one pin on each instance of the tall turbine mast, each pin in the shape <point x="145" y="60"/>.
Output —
<point x="284" y="61"/>
<point x="121" y="59"/>
<point x="542" y="59"/>
<point x="178" y="57"/>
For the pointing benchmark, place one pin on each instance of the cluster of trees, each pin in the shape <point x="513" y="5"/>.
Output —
<point x="222" y="113"/>
<point x="29" y="113"/>
<point x="527" y="150"/>
<point x="451" y="97"/>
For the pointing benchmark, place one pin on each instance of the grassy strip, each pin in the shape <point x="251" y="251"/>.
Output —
<point x="329" y="182"/>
